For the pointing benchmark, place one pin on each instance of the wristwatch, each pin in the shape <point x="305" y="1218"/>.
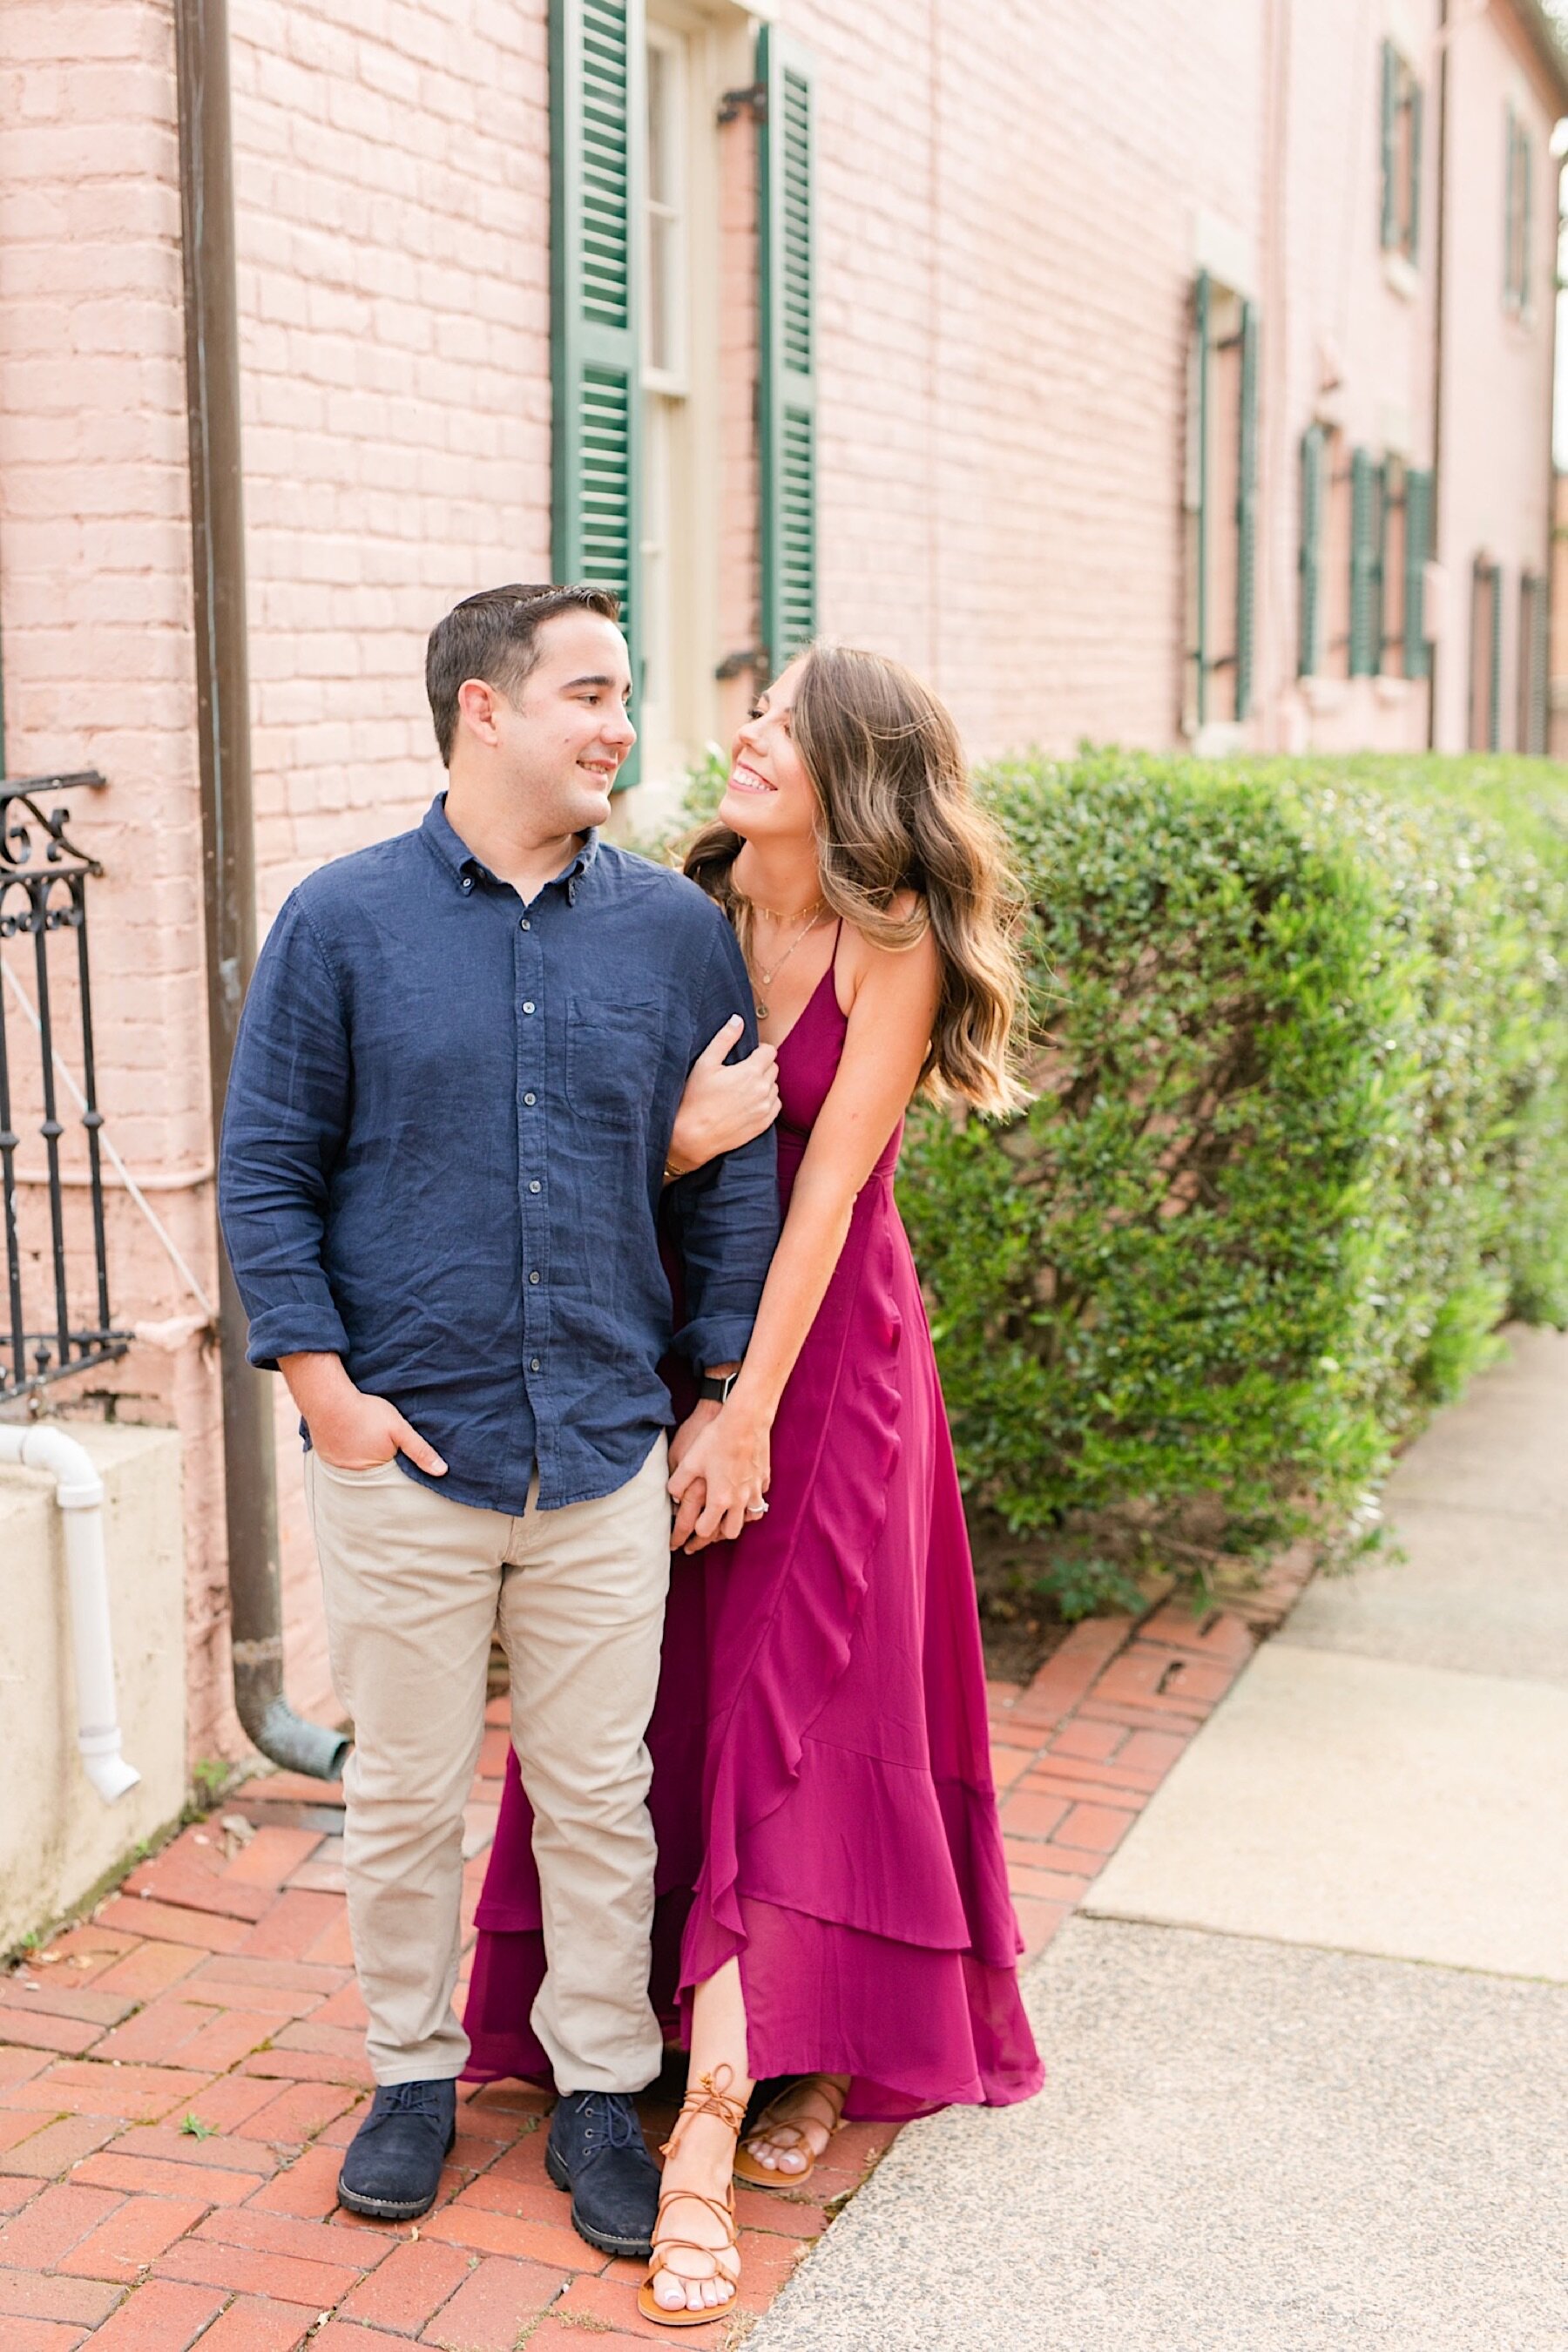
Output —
<point x="714" y="1388"/>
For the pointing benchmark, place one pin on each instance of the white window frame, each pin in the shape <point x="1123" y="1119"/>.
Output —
<point x="673" y="382"/>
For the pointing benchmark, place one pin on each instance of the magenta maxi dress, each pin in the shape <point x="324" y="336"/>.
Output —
<point x="821" y="1790"/>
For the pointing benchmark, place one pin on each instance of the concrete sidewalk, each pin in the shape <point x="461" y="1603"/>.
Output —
<point x="1309" y="2036"/>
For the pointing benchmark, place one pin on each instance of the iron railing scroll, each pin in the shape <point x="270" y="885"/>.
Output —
<point x="46" y="1005"/>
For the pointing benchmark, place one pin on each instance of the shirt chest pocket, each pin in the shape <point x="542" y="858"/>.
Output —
<point x="615" y="1050"/>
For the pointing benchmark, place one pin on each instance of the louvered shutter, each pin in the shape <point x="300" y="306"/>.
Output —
<point x="788" y="350"/>
<point x="596" y="140"/>
<point x="1390" y="226"/>
<point x="1536" y="715"/>
<point x="1197" y="494"/>
<point x="1413" y="198"/>
<point x="1247" y="514"/>
<point x="1380" y="511"/>
<point x="1533" y="654"/>
<point x="1417" y="551"/>
<point x="1526" y="207"/>
<point x="1363" y="564"/>
<point x="1314" y="444"/>
<point x="1494" y="675"/>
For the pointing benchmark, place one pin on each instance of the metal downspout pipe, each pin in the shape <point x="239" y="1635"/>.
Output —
<point x="223" y="722"/>
<point x="78" y="1493"/>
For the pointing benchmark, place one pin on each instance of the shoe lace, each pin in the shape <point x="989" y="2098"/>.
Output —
<point x="621" y="2126"/>
<point x="415" y="2098"/>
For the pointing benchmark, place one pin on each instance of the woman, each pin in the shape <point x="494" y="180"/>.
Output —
<point x="848" y="1923"/>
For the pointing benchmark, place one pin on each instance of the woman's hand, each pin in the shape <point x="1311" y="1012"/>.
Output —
<point x="725" y="1104"/>
<point x="721" y="1478"/>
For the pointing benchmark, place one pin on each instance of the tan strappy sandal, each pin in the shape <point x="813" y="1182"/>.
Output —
<point x="708" y="2099"/>
<point x="769" y="2126"/>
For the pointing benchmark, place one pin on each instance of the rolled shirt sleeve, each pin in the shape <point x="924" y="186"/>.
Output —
<point x="726" y="1214"/>
<point x="284" y="1123"/>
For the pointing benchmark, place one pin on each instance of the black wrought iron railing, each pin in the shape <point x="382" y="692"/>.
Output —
<point x="45" y="1054"/>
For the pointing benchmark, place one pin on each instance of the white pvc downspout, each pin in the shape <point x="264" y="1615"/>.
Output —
<point x="78" y="1491"/>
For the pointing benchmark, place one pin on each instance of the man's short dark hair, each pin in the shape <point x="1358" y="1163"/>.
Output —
<point x="492" y="635"/>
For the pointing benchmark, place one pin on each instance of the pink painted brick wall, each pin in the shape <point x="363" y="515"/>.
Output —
<point x="392" y="205"/>
<point x="392" y="201"/>
<point x="1496" y="492"/>
<point x="1006" y="224"/>
<point x="95" y="609"/>
<point x="1010" y="204"/>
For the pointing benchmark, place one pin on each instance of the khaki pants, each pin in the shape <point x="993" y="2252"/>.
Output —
<point x="415" y="1583"/>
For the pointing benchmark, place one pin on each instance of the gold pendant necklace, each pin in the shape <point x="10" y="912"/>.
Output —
<point x="766" y="979"/>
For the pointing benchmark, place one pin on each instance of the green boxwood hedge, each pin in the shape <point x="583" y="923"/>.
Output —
<point x="1301" y="1139"/>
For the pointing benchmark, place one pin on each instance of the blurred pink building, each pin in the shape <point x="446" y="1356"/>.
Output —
<point x="1158" y="374"/>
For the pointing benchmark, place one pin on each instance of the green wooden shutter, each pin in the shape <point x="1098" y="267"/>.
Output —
<point x="1508" y="209"/>
<point x="596" y="118"/>
<point x="1494" y="680"/>
<point x="788" y="349"/>
<point x="1533" y="656"/>
<point x="1517" y="219"/>
<point x="1199" y="492"/>
<point x="1314" y="451"/>
<point x="1417" y="551"/>
<point x="1363" y="564"/>
<point x="1389" y="232"/>
<point x="1380" y="510"/>
<point x="1526" y="205"/>
<point x="1247" y="514"/>
<point x="1414" y="199"/>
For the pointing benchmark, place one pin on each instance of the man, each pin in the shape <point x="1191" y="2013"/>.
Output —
<point x="443" y="1152"/>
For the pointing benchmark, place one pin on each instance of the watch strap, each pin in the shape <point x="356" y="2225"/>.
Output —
<point x="714" y="1388"/>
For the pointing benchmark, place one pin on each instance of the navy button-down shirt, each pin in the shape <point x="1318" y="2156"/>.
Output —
<point x="443" y="1148"/>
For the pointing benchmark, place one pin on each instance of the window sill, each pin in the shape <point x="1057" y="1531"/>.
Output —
<point x="1401" y="277"/>
<point x="1218" y="739"/>
<point x="1393" y="690"/>
<point x="1322" y="694"/>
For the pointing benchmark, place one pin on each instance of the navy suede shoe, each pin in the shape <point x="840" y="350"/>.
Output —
<point x="393" y="2167"/>
<point x="597" y="2150"/>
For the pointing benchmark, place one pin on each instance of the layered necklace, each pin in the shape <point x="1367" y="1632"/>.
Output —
<point x="765" y="980"/>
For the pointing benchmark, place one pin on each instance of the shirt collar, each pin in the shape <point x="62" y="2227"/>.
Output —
<point x="467" y="870"/>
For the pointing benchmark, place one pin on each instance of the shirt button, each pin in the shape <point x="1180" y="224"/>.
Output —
<point x="533" y="1277"/>
<point x="530" y="1100"/>
<point x="525" y="925"/>
<point x="533" y="1363"/>
<point x="534" y="1186"/>
<point x="528" y="1008"/>
<point x="468" y="881"/>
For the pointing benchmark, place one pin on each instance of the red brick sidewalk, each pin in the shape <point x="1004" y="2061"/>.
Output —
<point x="179" y="2077"/>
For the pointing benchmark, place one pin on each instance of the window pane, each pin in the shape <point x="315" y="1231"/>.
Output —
<point x="662" y="287"/>
<point x="661" y="161"/>
<point x="664" y="208"/>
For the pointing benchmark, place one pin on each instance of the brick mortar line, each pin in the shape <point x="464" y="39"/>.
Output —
<point x="1028" y="1723"/>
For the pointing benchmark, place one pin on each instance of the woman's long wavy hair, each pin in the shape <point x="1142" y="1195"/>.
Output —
<point x="895" y="812"/>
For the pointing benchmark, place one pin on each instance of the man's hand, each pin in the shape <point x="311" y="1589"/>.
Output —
<point x="723" y="1476"/>
<point x="725" y="1104"/>
<point x="348" y="1430"/>
<point x="703" y="1415"/>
